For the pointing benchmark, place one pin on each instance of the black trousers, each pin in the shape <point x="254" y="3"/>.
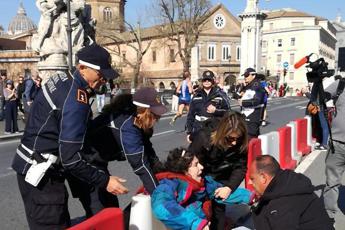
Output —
<point x="11" y="116"/>
<point x="45" y="205"/>
<point x="218" y="216"/>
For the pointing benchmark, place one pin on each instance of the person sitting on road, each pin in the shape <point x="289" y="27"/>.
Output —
<point x="286" y="199"/>
<point x="121" y="132"/>
<point x="222" y="148"/>
<point x="181" y="200"/>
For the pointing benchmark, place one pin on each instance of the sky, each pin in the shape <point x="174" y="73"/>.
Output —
<point x="141" y="10"/>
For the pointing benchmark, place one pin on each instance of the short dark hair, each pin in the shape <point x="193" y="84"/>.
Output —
<point x="267" y="164"/>
<point x="179" y="160"/>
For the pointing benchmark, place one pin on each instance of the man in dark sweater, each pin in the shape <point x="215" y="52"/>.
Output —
<point x="286" y="199"/>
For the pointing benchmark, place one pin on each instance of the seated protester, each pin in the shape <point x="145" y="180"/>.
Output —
<point x="181" y="199"/>
<point x="287" y="200"/>
<point x="121" y="132"/>
<point x="223" y="152"/>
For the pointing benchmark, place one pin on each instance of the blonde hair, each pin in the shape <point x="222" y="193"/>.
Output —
<point x="232" y="122"/>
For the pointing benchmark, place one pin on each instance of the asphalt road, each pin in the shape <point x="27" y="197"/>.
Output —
<point x="166" y="137"/>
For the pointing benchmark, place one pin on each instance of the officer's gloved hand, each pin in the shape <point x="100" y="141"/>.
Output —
<point x="115" y="185"/>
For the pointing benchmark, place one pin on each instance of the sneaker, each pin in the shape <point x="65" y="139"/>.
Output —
<point x="172" y="122"/>
<point x="321" y="147"/>
<point x="7" y="133"/>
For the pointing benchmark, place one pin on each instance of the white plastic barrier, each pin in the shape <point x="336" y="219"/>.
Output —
<point x="270" y="144"/>
<point x="309" y="133"/>
<point x="141" y="217"/>
<point x="294" y="153"/>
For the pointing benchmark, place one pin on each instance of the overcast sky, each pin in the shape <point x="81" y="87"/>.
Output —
<point x="141" y="9"/>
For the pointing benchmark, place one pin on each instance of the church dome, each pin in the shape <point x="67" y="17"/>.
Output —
<point x="20" y="23"/>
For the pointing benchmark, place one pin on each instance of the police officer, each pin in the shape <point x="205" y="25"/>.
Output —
<point x="252" y="102"/>
<point x="208" y="102"/>
<point x="53" y="139"/>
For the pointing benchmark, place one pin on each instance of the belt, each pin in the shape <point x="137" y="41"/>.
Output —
<point x="27" y="154"/>
<point x="201" y="118"/>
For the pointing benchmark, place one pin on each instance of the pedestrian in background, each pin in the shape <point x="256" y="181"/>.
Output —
<point x="223" y="153"/>
<point x="28" y="95"/>
<point x="20" y="92"/>
<point x="181" y="200"/>
<point x="208" y="102"/>
<point x="184" y="92"/>
<point x="100" y="96"/>
<point x="286" y="199"/>
<point x="252" y="102"/>
<point x="116" y="90"/>
<point x="10" y="95"/>
<point x="51" y="146"/>
<point x="3" y="79"/>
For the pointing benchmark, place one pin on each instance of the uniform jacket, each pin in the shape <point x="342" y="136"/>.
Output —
<point x="199" y="104"/>
<point x="253" y="98"/>
<point x="289" y="203"/>
<point x="179" y="201"/>
<point x="57" y="125"/>
<point x="119" y="139"/>
<point x="228" y="167"/>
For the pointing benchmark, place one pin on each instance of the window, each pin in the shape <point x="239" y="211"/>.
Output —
<point x="107" y="15"/>
<point x="211" y="52"/>
<point x="172" y="55"/>
<point x="154" y="56"/>
<point x="123" y="55"/>
<point x="279" y="58"/>
<point x="264" y="44"/>
<point x="293" y="42"/>
<point x="238" y="53"/>
<point x="292" y="59"/>
<point x="226" y="53"/>
<point x="280" y="42"/>
<point x="271" y="26"/>
<point x="291" y="76"/>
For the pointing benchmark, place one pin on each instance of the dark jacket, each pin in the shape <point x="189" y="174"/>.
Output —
<point x="216" y="97"/>
<point x="57" y="125"/>
<point x="289" y="203"/>
<point x="228" y="167"/>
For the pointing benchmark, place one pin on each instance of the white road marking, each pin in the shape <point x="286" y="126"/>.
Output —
<point x="165" y="132"/>
<point x="305" y="164"/>
<point x="11" y="173"/>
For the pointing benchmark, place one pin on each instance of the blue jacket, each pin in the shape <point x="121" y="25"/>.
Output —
<point x="57" y="124"/>
<point x="178" y="201"/>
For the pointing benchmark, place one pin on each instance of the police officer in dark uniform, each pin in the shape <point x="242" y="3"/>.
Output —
<point x="53" y="139"/>
<point x="208" y="102"/>
<point x="252" y="102"/>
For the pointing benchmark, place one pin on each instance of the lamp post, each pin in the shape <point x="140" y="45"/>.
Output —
<point x="69" y="34"/>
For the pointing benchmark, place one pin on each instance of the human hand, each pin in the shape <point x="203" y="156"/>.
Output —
<point x="207" y="227"/>
<point x="115" y="186"/>
<point x="211" y="109"/>
<point x="222" y="192"/>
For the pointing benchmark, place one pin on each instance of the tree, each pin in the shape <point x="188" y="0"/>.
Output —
<point x="183" y="21"/>
<point x="132" y="38"/>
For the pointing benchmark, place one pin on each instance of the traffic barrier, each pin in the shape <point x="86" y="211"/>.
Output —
<point x="108" y="218"/>
<point x="254" y="150"/>
<point x="302" y="143"/>
<point x="294" y="152"/>
<point x="309" y="132"/>
<point x="285" y="158"/>
<point x="141" y="217"/>
<point x="270" y="144"/>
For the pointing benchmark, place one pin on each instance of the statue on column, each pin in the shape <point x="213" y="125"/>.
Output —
<point x="51" y="41"/>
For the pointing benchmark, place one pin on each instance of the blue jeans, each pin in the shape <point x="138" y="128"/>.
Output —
<point x="100" y="102"/>
<point x="324" y="126"/>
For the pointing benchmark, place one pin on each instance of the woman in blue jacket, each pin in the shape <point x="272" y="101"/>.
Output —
<point x="181" y="200"/>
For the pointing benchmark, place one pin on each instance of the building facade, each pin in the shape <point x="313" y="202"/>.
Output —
<point x="289" y="35"/>
<point x="339" y="24"/>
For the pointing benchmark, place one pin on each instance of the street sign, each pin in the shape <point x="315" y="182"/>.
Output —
<point x="286" y="65"/>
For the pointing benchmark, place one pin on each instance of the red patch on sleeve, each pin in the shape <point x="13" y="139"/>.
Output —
<point x="82" y="96"/>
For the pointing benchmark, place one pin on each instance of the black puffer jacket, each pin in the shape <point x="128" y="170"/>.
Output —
<point x="289" y="203"/>
<point x="228" y="167"/>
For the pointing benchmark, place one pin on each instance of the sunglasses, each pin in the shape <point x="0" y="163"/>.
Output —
<point x="209" y="80"/>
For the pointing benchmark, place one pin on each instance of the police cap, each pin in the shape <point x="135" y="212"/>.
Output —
<point x="98" y="58"/>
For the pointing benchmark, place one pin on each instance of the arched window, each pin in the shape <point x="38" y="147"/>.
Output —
<point x="107" y="15"/>
<point x="172" y="85"/>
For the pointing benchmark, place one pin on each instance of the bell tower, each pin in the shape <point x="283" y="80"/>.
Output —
<point x="108" y="13"/>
